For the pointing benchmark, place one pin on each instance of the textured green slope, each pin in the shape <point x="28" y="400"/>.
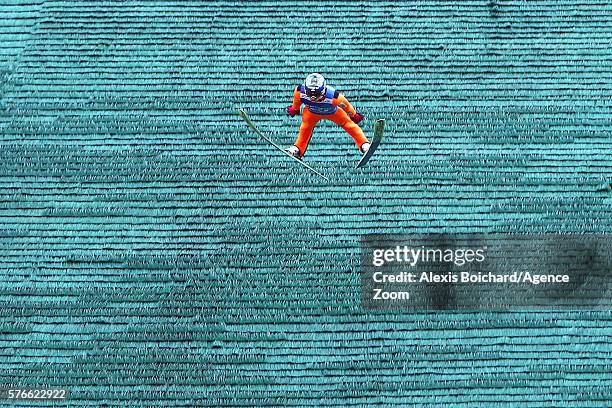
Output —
<point x="154" y="249"/>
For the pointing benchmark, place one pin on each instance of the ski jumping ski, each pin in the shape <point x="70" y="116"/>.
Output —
<point x="379" y="127"/>
<point x="250" y="124"/>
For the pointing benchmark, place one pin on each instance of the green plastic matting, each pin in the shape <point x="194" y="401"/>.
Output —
<point x="155" y="252"/>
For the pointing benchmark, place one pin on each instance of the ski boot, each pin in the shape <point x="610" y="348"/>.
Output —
<point x="294" y="151"/>
<point x="364" y="147"/>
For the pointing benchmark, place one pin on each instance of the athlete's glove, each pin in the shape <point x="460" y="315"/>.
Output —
<point x="291" y="111"/>
<point x="357" y="117"/>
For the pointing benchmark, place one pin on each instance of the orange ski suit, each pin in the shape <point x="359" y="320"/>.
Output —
<point x="340" y="117"/>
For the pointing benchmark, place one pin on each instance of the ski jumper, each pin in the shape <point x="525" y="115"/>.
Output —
<point x="325" y="108"/>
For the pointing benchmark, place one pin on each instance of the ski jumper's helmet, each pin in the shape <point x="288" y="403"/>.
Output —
<point x="315" y="85"/>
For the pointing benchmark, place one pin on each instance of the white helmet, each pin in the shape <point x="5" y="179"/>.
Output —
<point x="315" y="85"/>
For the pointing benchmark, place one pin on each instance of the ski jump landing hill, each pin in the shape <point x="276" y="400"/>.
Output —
<point x="156" y="253"/>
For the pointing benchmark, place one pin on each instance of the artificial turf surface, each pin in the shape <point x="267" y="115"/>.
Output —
<point x="155" y="252"/>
